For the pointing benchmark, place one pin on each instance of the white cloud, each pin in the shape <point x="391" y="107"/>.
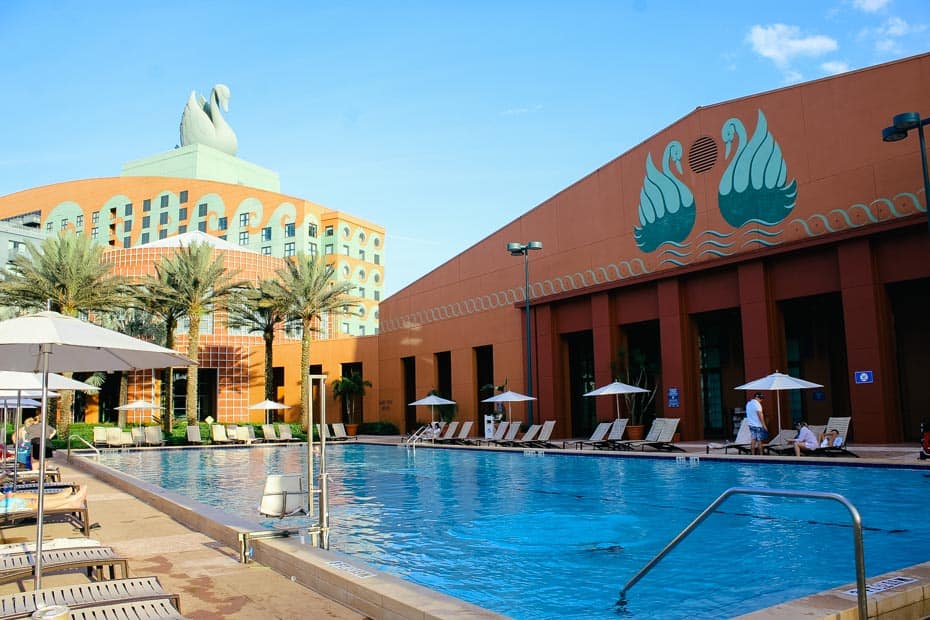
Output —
<point x="782" y="43"/>
<point x="870" y="6"/>
<point x="887" y="36"/>
<point x="793" y="77"/>
<point x="835" y="66"/>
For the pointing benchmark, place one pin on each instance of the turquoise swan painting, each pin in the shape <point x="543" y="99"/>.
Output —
<point x="753" y="185"/>
<point x="666" y="205"/>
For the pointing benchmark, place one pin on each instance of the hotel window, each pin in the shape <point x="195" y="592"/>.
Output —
<point x="126" y="242"/>
<point x="223" y="237"/>
<point x="311" y="248"/>
<point x="361" y="330"/>
<point x="377" y="295"/>
<point x="48" y="226"/>
<point x="64" y="223"/>
<point x="183" y="198"/>
<point x="289" y="249"/>
<point x="377" y="259"/>
<point x="128" y="209"/>
<point x="361" y="254"/>
<point x="244" y="237"/>
<point x="146" y="221"/>
<point x="147" y="205"/>
<point x="377" y="242"/>
<point x="127" y="225"/>
<point x="346" y="232"/>
<point x="328" y="231"/>
<point x="289" y="230"/>
<point x="328" y="248"/>
<point x="243" y="219"/>
<point x="266" y="233"/>
<point x="361" y="292"/>
<point x="162" y="234"/>
<point x="202" y="227"/>
<point x="346" y="271"/>
<point x="164" y="201"/>
<point x="361" y="236"/>
<point x="266" y="250"/>
<point x="182" y="229"/>
<point x="361" y="274"/>
<point x="79" y="222"/>
<point x="202" y="209"/>
<point x="163" y="218"/>
<point x="144" y="238"/>
<point x="345" y="327"/>
<point x="222" y="224"/>
<point x="182" y="213"/>
<point x="312" y="230"/>
<point x="377" y="278"/>
<point x="95" y="217"/>
<point x="345" y="250"/>
<point x="93" y="232"/>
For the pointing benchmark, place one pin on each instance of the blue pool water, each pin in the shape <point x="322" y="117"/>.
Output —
<point x="557" y="536"/>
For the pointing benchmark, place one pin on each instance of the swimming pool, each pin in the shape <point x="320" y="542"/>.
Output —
<point x="557" y="536"/>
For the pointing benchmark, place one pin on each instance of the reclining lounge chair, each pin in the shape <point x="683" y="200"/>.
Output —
<point x="109" y="592"/>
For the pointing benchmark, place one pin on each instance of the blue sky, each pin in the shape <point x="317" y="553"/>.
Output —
<point x="441" y="121"/>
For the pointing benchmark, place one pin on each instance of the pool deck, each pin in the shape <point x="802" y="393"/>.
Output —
<point x="213" y="583"/>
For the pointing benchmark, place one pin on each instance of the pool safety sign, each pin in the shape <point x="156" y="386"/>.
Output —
<point x="864" y="376"/>
<point x="883" y="585"/>
<point x="674" y="400"/>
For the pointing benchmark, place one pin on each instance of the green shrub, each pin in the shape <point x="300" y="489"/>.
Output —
<point x="378" y="428"/>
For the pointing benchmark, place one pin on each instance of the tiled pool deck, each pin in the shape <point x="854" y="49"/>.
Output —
<point x="196" y="555"/>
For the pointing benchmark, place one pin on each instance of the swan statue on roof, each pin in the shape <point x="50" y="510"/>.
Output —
<point x="666" y="205"/>
<point x="753" y="186"/>
<point x="203" y="123"/>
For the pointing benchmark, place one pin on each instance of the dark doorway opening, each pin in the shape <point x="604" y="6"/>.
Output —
<point x="638" y="361"/>
<point x="207" y="389"/>
<point x="909" y="303"/>
<point x="580" y="347"/>
<point x="347" y="371"/>
<point x="409" y="370"/>
<point x="484" y="378"/>
<point x="720" y="361"/>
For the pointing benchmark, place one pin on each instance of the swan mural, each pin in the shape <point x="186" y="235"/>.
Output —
<point x="203" y="123"/>
<point x="666" y="205"/>
<point x="753" y="185"/>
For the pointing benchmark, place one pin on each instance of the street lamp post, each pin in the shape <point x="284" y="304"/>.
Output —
<point x="901" y="124"/>
<point x="518" y="249"/>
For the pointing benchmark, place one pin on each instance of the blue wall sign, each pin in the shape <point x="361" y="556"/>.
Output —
<point x="673" y="398"/>
<point x="864" y="376"/>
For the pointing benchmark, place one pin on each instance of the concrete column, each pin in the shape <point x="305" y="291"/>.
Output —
<point x="678" y="367"/>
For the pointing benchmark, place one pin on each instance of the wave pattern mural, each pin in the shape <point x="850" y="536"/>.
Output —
<point x="612" y="272"/>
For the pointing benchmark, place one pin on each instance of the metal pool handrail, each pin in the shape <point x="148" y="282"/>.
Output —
<point x="85" y="442"/>
<point x="857" y="536"/>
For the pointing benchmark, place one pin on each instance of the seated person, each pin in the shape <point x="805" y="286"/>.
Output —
<point x="434" y="430"/>
<point x="805" y="439"/>
<point x="831" y="439"/>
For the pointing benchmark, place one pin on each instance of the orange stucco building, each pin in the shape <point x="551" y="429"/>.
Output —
<point x="773" y="232"/>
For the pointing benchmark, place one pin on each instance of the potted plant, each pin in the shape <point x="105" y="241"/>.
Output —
<point x="633" y="369"/>
<point x="349" y="390"/>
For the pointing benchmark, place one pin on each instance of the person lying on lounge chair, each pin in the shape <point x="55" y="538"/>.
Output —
<point x="26" y="501"/>
<point x="805" y="439"/>
<point x="831" y="439"/>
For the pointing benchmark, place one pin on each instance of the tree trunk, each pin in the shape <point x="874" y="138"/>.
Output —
<point x="123" y="397"/>
<point x="193" y="340"/>
<point x="269" y="367"/>
<point x="304" y="372"/>
<point x="167" y="381"/>
<point x="65" y="409"/>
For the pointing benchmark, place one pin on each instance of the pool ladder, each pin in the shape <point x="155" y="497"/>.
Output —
<point x="861" y="594"/>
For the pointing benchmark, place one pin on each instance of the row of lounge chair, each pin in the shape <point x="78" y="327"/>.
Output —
<point x="115" y="437"/>
<point x="782" y="443"/>
<point x="233" y="433"/>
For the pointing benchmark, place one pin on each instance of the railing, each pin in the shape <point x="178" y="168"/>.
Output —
<point x="85" y="442"/>
<point x="857" y="536"/>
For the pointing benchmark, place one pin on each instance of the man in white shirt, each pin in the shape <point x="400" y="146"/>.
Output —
<point x="756" y="420"/>
<point x="805" y="439"/>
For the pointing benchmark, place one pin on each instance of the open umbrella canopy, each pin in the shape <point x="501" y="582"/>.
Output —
<point x="138" y="405"/>
<point x="616" y="388"/>
<point x="432" y="400"/>
<point x="12" y="401"/>
<point x="777" y="382"/>
<point x="12" y="381"/>
<point x="508" y="397"/>
<point x="76" y="345"/>
<point x="269" y="404"/>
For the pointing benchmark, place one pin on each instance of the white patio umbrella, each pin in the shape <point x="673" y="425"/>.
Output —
<point x="51" y="342"/>
<point x="616" y="388"/>
<point x="432" y="400"/>
<point x="776" y="382"/>
<point x="139" y="405"/>
<point x="268" y="405"/>
<point x="508" y="397"/>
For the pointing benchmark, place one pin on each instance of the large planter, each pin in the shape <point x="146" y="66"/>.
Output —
<point x="634" y="431"/>
<point x="351" y="430"/>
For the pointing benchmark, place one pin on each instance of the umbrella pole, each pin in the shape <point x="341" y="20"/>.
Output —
<point x="778" y="406"/>
<point x="617" y="400"/>
<point x="324" y="488"/>
<point x="19" y="421"/>
<point x="45" y="350"/>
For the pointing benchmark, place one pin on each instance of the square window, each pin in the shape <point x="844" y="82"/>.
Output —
<point x="64" y="223"/>
<point x="202" y="227"/>
<point x="95" y="217"/>
<point x="127" y="209"/>
<point x="244" y="237"/>
<point x="48" y="226"/>
<point x="329" y="231"/>
<point x="183" y="197"/>
<point x="163" y="218"/>
<point x="243" y="219"/>
<point x="361" y="292"/>
<point x="147" y="204"/>
<point x="146" y="221"/>
<point x="289" y="248"/>
<point x="266" y="250"/>
<point x="162" y="234"/>
<point x="345" y="328"/>
<point x="266" y="233"/>
<point x="377" y="259"/>
<point x="182" y="213"/>
<point x="144" y="238"/>
<point x="79" y="221"/>
<point x="312" y="249"/>
<point x="182" y="229"/>
<point x="127" y="225"/>
<point x="164" y="201"/>
<point x="202" y="209"/>
<point x="222" y="224"/>
<point x="289" y="230"/>
<point x="345" y="250"/>
<point x="311" y="230"/>
<point x="93" y="232"/>
<point x="361" y="330"/>
<point x="328" y="248"/>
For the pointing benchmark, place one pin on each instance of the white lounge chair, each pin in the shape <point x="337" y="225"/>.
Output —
<point x="118" y="438"/>
<point x="246" y="434"/>
<point x="269" y="433"/>
<point x="742" y="443"/>
<point x="284" y="496"/>
<point x="658" y="433"/>
<point x="284" y="433"/>
<point x="154" y="436"/>
<point x="509" y="436"/>
<point x="339" y="432"/>
<point x="77" y="596"/>
<point x="193" y="434"/>
<point x="18" y="566"/>
<point x="528" y="437"/>
<point x="498" y="433"/>
<point x="219" y="434"/>
<point x="138" y="435"/>
<point x="100" y="436"/>
<point x="448" y="432"/>
<point x="600" y="432"/>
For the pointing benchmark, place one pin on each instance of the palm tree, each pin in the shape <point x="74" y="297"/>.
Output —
<point x="350" y="389"/>
<point x="198" y="283"/>
<point x="261" y="309"/>
<point x="308" y="284"/>
<point x="67" y="274"/>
